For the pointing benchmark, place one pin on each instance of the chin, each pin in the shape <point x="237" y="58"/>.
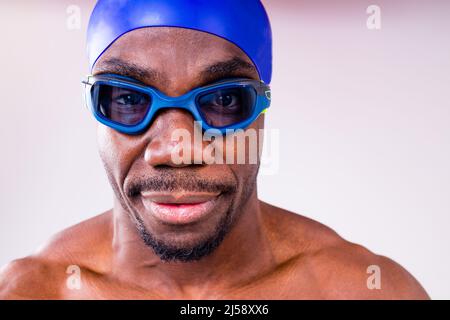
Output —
<point x="187" y="242"/>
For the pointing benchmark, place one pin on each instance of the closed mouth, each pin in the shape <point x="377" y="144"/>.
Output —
<point x="179" y="207"/>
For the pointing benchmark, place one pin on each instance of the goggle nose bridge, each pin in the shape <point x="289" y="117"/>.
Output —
<point x="164" y="101"/>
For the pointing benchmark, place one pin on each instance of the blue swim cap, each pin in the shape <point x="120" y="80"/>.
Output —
<point x="242" y="22"/>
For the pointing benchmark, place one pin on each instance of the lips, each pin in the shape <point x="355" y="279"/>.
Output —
<point x="179" y="207"/>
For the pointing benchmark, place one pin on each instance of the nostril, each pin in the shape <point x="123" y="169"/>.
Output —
<point x="161" y="151"/>
<point x="172" y="140"/>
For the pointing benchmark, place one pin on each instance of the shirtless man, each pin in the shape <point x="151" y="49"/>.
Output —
<point x="189" y="231"/>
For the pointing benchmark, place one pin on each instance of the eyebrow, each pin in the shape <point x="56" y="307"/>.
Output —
<point x="128" y="69"/>
<point x="234" y="67"/>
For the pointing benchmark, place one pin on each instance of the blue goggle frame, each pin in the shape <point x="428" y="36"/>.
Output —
<point x="187" y="101"/>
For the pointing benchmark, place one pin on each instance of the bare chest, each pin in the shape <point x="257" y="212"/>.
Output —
<point x="279" y="286"/>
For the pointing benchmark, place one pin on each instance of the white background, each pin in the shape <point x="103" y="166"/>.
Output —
<point x="363" y="116"/>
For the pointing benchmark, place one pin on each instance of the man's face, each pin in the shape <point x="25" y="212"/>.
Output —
<point x="182" y="211"/>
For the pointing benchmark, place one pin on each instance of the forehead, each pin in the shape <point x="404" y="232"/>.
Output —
<point x="165" y="56"/>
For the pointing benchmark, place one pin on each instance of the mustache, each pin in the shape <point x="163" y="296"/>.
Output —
<point x="168" y="182"/>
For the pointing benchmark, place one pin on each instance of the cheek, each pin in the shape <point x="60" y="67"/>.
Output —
<point x="108" y="149"/>
<point x="241" y="148"/>
<point x="246" y="176"/>
<point x="245" y="171"/>
<point x="116" y="150"/>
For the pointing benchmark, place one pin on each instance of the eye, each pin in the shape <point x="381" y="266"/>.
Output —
<point x="131" y="99"/>
<point x="225" y="99"/>
<point x="228" y="100"/>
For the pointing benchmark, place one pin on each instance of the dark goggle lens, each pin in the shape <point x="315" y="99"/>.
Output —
<point x="228" y="106"/>
<point x="121" y="105"/>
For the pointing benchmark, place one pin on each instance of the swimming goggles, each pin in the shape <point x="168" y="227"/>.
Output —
<point x="129" y="106"/>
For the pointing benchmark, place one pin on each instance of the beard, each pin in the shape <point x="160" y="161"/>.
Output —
<point x="166" y="179"/>
<point x="168" y="252"/>
<point x="170" y="180"/>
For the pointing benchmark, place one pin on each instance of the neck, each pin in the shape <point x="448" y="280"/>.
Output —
<point x="244" y="254"/>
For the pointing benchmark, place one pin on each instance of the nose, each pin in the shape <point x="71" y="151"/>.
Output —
<point x="172" y="136"/>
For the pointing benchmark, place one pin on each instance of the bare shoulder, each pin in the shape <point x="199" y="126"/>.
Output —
<point x="336" y="268"/>
<point x="43" y="274"/>
<point x="29" y="278"/>
<point x="351" y="271"/>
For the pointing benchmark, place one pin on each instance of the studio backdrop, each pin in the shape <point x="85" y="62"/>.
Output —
<point x="360" y="106"/>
